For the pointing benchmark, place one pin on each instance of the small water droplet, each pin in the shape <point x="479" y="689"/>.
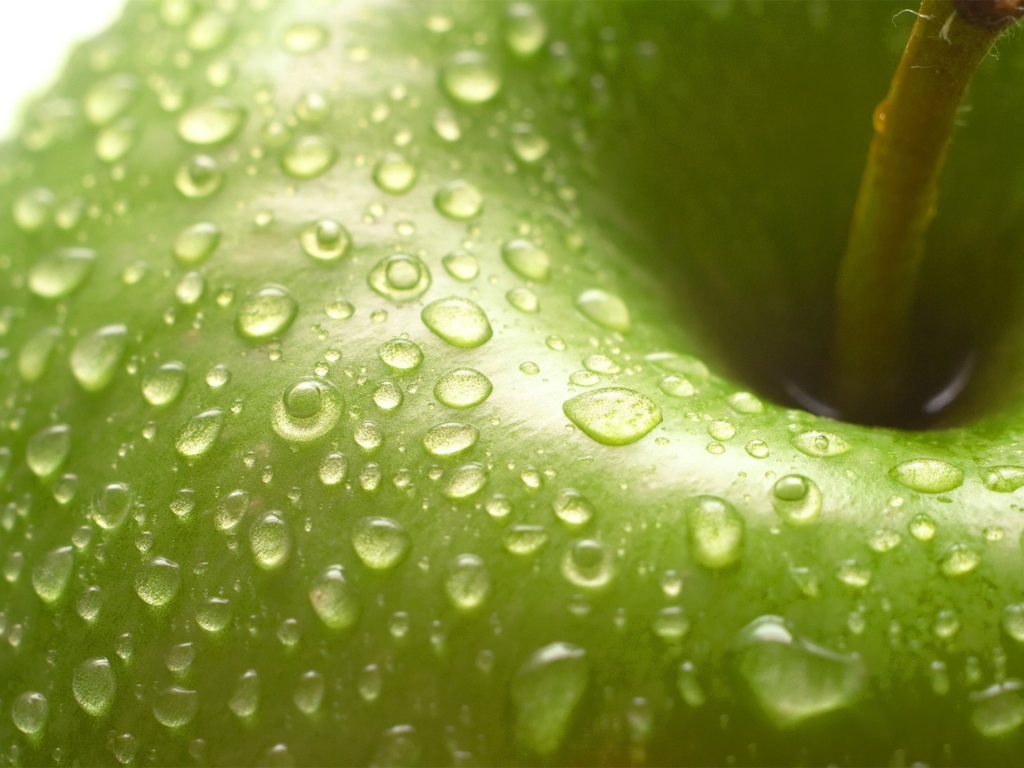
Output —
<point x="605" y="309"/>
<point x="109" y="98"/>
<point x="796" y="499"/>
<point x="112" y="506"/>
<point x="462" y="388"/>
<point x="546" y="690"/>
<point x="959" y="560"/>
<point x="460" y="322"/>
<point x="922" y="527"/>
<point x="30" y="712"/>
<point x="450" y="439"/>
<point x="613" y="415"/>
<point x="394" y="174"/>
<point x="689" y="686"/>
<point x="214" y="615"/>
<point x="308" y="157"/>
<point x="466" y="481"/>
<point x="270" y="541"/>
<point x="35" y="355"/>
<point x="572" y="508"/>
<point x="400" y="277"/>
<point x="927" y="475"/>
<point x="468" y="583"/>
<point x="48" y="449"/>
<point x="715" y="531"/>
<point x="446" y="125"/>
<point x="199" y="177"/>
<point x="200" y="434"/>
<point x="307" y="410"/>
<point x="175" y="707"/>
<point x="999" y="709"/>
<point x="195" y="243"/>
<point x="325" y="240"/>
<point x="461" y="265"/>
<point x="524" y="540"/>
<point x="210" y="122"/>
<point x="334" y="600"/>
<point x="97" y="355"/>
<point x="527" y="144"/>
<point x="304" y="38"/>
<point x="309" y="693"/>
<point x="157" y="581"/>
<point x="459" y="200"/>
<point x="525" y="30"/>
<point x="380" y="542"/>
<point x="60" y="273"/>
<point x="526" y="260"/>
<point x="588" y="563"/>
<point x="230" y="511"/>
<point x="245" y="698"/>
<point x="94" y="686"/>
<point x="333" y="469"/>
<point x="677" y="386"/>
<point x="401" y="354"/>
<point x="51" y="575"/>
<point x="820" y="444"/>
<point x="883" y="540"/>
<point x="267" y="312"/>
<point x="744" y="402"/>
<point x="470" y="77"/>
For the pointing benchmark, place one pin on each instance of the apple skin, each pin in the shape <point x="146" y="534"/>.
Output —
<point x="719" y="619"/>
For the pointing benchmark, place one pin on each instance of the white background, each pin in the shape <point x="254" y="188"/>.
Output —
<point x="35" y="36"/>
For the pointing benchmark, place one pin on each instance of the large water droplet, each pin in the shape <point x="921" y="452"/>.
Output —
<point x="48" y="449"/>
<point x="460" y="322"/>
<point x="61" y="272"/>
<point x="270" y="541"/>
<point x="613" y="415"/>
<point x="605" y="309"/>
<point x="461" y="265"/>
<point x="792" y="679"/>
<point x="588" y="563"/>
<point x="927" y="475"/>
<point x="999" y="709"/>
<point x="400" y="277"/>
<point x="820" y="444"/>
<point x="381" y="543"/>
<point x="245" y="698"/>
<point x="796" y="499"/>
<point x="462" y="388"/>
<point x="470" y="77"/>
<point x="51" y="575"/>
<point x="394" y="174"/>
<point x="466" y="481"/>
<point x="450" y="439"/>
<point x="30" y="712"/>
<point x="1005" y="479"/>
<point x="401" y="354"/>
<point x="333" y="599"/>
<point x="546" y="690"/>
<point x="112" y="506"/>
<point x="165" y="385"/>
<point x="214" y="615"/>
<point x="307" y="410"/>
<point x="200" y="434"/>
<point x="175" y="707"/>
<point x="195" y="243"/>
<point x="308" y="157"/>
<point x="157" y="581"/>
<point x="213" y="121"/>
<point x="459" y="200"/>
<point x="387" y="395"/>
<point x="267" y="312"/>
<point x="94" y="686"/>
<point x="325" y="240"/>
<point x="231" y="509"/>
<point x="715" y="531"/>
<point x="526" y="260"/>
<point x="309" y="693"/>
<point x="96" y="356"/>
<point x="468" y="583"/>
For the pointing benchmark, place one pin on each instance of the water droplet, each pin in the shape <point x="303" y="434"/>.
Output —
<point x="744" y="402"/>
<point x="230" y="511"/>
<point x="927" y="475"/>
<point x="195" y="243"/>
<point x="526" y="260"/>
<point x="175" y="707"/>
<point x="400" y="277"/>
<point x="199" y="177"/>
<point x="588" y="563"/>
<point x="368" y="436"/>
<point x="307" y="410"/>
<point x="245" y="698"/>
<point x="213" y="121"/>
<point x="157" y="581"/>
<point x="32" y="209"/>
<point x="721" y="430"/>
<point x="715" y="531"/>
<point x="470" y="77"/>
<point x="689" y="686"/>
<point x="198" y="436"/>
<point x="525" y="30"/>
<point x="523" y="540"/>
<point x="267" y="312"/>
<point x="527" y="144"/>
<point x="30" y="712"/>
<point x="605" y="309"/>
<point x="959" y="560"/>
<point x="401" y="354"/>
<point x="468" y="583"/>
<point x="110" y="98"/>
<point x="450" y="439"/>
<point x="94" y="686"/>
<point x="381" y="543"/>
<point x="524" y="300"/>
<point x="112" y="506"/>
<point x="460" y="322"/>
<point x="34" y="358"/>
<point x="207" y="32"/>
<point x="820" y="444"/>
<point x="671" y="624"/>
<point x="51" y="575"/>
<point x="446" y="125"/>
<point x="677" y="386"/>
<point x="498" y="506"/>
<point x="333" y="469"/>
<point x="459" y="200"/>
<point x="796" y="499"/>
<point x="462" y="388"/>
<point x="96" y="356"/>
<point x="308" y="157"/>
<point x="613" y="415"/>
<point x="214" y="615"/>
<point x="853" y="574"/>
<point x="48" y="449"/>
<point x="334" y="600"/>
<point x="883" y="540"/>
<point x="922" y="527"/>
<point x="325" y="240"/>
<point x="1013" y="621"/>
<point x="370" y="683"/>
<point x="461" y="265"/>
<point x="757" y="449"/>
<point x="999" y="709"/>
<point x="572" y="508"/>
<point x="546" y="690"/>
<point x="61" y="272"/>
<point x="304" y="38"/>
<point x="394" y="174"/>
<point x="792" y="679"/>
<point x="466" y="481"/>
<point x="270" y="541"/>
<point x="309" y="693"/>
<point x="946" y="625"/>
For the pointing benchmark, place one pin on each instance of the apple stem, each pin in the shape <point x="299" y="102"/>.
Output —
<point x="897" y="200"/>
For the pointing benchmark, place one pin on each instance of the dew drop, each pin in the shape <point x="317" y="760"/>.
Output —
<point x="96" y="356"/>
<point x="527" y="144"/>
<point x="308" y="157"/>
<point x="267" y="312"/>
<point x="677" y="386"/>
<point x="546" y="690"/>
<point x="157" y="581"/>
<point x="588" y="563"/>
<point x="671" y="624"/>
<point x="401" y="354"/>
<point x="333" y="469"/>
<point x="51" y="575"/>
<point x="523" y="540"/>
<point x="200" y="434"/>
<point x="305" y="38"/>
<point x="922" y="527"/>
<point x="524" y="300"/>
<point x="525" y="30"/>
<point x="380" y="542"/>
<point x="605" y="309"/>
<point x="30" y="712"/>
<point x="325" y="240"/>
<point x="94" y="686"/>
<point x="112" y="506"/>
<point x="461" y="265"/>
<point x="721" y="430"/>
<point x="796" y="499"/>
<point x="883" y="540"/>
<point x="400" y="277"/>
<point x="32" y="209"/>
<point x="194" y="244"/>
<point x="613" y="415"/>
<point x="213" y="615"/>
<point x="307" y="410"/>
<point x="1013" y="621"/>
<point x="61" y="272"/>
<point x="394" y="174"/>
<point x="35" y="355"/>
<point x="820" y="444"/>
<point x="526" y="260"/>
<point x="108" y="99"/>
<point x="470" y="77"/>
<point x="48" y="449"/>
<point x="927" y="475"/>
<point x="468" y="583"/>
<point x="199" y="177"/>
<point x="175" y="707"/>
<point x="450" y="439"/>
<point x="231" y="510"/>
<point x="309" y="693"/>
<point x="572" y="508"/>
<point x="460" y="322"/>
<point x="270" y="542"/>
<point x="999" y="709"/>
<point x="245" y="698"/>
<point x="334" y="600"/>
<point x="466" y="481"/>
<point x="462" y="388"/>
<point x="689" y="686"/>
<point x="459" y="200"/>
<point x="959" y="560"/>
<point x="715" y="531"/>
<point x="213" y="121"/>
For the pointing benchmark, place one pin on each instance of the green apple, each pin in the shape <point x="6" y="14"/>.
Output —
<point x="378" y="387"/>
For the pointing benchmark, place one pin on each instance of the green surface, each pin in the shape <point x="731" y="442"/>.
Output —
<point x="334" y="544"/>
